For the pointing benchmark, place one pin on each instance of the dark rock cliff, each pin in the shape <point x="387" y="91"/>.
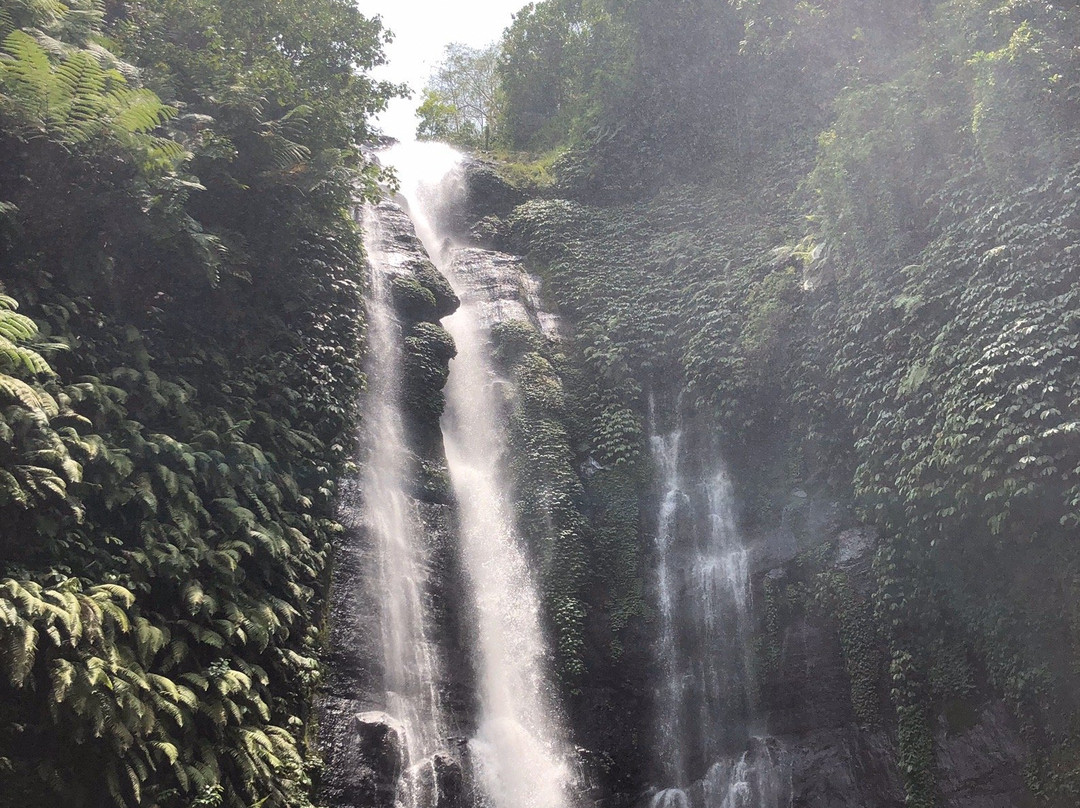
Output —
<point x="817" y="711"/>
<point x="362" y="745"/>
<point x="841" y="756"/>
<point x="820" y="702"/>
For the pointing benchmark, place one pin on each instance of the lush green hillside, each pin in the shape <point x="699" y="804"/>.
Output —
<point x="846" y="232"/>
<point x="179" y="358"/>
<point x="850" y="231"/>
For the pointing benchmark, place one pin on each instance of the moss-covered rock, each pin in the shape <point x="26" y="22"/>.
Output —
<point x="412" y="301"/>
<point x="446" y="302"/>
<point x="428" y="351"/>
<point x="513" y="339"/>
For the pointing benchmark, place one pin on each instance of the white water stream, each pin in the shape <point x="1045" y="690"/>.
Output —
<point x="518" y="749"/>
<point x="390" y="518"/>
<point x="703" y="588"/>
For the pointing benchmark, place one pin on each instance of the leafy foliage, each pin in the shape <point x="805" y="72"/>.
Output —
<point x="176" y="391"/>
<point x="867" y="287"/>
<point x="461" y="99"/>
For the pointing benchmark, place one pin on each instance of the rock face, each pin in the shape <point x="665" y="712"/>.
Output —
<point x="800" y="740"/>
<point x="811" y="749"/>
<point x="364" y="746"/>
<point x="486" y="193"/>
<point x="377" y="744"/>
<point x="978" y="764"/>
<point x="504" y="289"/>
<point x="836" y="760"/>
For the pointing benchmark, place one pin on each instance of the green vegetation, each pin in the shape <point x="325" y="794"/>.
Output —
<point x="849" y="234"/>
<point x="461" y="100"/>
<point x="176" y="389"/>
<point x="843" y="235"/>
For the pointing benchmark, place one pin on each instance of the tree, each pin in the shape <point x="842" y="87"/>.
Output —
<point x="439" y="120"/>
<point x="461" y="100"/>
<point x="176" y="388"/>
<point x="564" y="65"/>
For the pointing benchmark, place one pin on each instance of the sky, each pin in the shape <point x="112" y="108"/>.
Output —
<point x="422" y="28"/>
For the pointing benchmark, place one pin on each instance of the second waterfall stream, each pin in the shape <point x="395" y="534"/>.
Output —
<point x="520" y="753"/>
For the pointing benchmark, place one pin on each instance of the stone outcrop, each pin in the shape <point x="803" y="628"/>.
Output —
<point x="364" y="746"/>
<point x="836" y="760"/>
<point x="802" y="742"/>
<point x="504" y="289"/>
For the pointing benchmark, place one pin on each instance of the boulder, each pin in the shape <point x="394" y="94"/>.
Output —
<point x="449" y="782"/>
<point x="379" y="752"/>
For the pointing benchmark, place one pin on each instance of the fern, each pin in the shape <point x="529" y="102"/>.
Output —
<point x="73" y="99"/>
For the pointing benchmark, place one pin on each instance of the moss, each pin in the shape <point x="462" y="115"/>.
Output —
<point x="548" y="491"/>
<point x="446" y="302"/>
<point x="914" y="734"/>
<point x="490" y="231"/>
<point x="411" y="300"/>
<point x="513" y="339"/>
<point x="768" y="645"/>
<point x="428" y="351"/>
<point x="526" y="172"/>
<point x="431" y="340"/>
<point x="814" y="587"/>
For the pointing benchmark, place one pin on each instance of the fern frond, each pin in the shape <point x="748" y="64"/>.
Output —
<point x="15" y="357"/>
<point x="17" y="327"/>
<point x="102" y="591"/>
<point x="139" y="110"/>
<point x="28" y="73"/>
<point x="21" y="647"/>
<point x="18" y="391"/>
<point x="62" y="676"/>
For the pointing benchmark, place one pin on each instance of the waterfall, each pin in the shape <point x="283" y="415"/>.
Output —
<point x="389" y="516"/>
<point x="517" y="750"/>
<point x="671" y="749"/>
<point x="703" y="593"/>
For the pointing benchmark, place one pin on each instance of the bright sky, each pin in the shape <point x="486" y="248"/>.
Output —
<point x="422" y="28"/>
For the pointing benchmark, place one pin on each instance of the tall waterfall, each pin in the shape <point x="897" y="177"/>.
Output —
<point x="390" y="518"/>
<point x="670" y="747"/>
<point x="704" y="748"/>
<point x="518" y="748"/>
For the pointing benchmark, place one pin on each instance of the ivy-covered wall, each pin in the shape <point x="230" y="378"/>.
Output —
<point x="867" y="289"/>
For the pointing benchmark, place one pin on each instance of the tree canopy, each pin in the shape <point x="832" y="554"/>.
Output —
<point x="461" y="100"/>
<point x="179" y="347"/>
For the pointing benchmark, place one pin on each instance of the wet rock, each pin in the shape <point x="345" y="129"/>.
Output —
<point x="844" y="768"/>
<point x="977" y="764"/>
<point x="420" y="291"/>
<point x="487" y="192"/>
<point x="364" y="754"/>
<point x="855" y="545"/>
<point x="503" y="290"/>
<point x="490" y="232"/>
<point x="449" y="782"/>
<point x="810" y="689"/>
<point x="835" y="762"/>
<point x="379" y="744"/>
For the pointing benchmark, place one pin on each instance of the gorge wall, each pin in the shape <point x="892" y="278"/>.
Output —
<point x="714" y="626"/>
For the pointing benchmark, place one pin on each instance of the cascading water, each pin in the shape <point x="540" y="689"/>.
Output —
<point x="388" y="514"/>
<point x="671" y="749"/>
<point x="517" y="749"/>
<point x="703" y="586"/>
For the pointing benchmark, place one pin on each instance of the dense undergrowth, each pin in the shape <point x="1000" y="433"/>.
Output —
<point x="856" y="253"/>
<point x="846" y="232"/>
<point x="179" y="359"/>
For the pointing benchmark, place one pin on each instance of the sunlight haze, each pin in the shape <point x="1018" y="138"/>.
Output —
<point x="422" y="28"/>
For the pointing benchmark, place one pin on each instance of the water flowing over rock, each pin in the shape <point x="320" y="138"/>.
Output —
<point x="440" y="693"/>
<point x="393" y="583"/>
<point x="704" y="596"/>
<point x="518" y="750"/>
